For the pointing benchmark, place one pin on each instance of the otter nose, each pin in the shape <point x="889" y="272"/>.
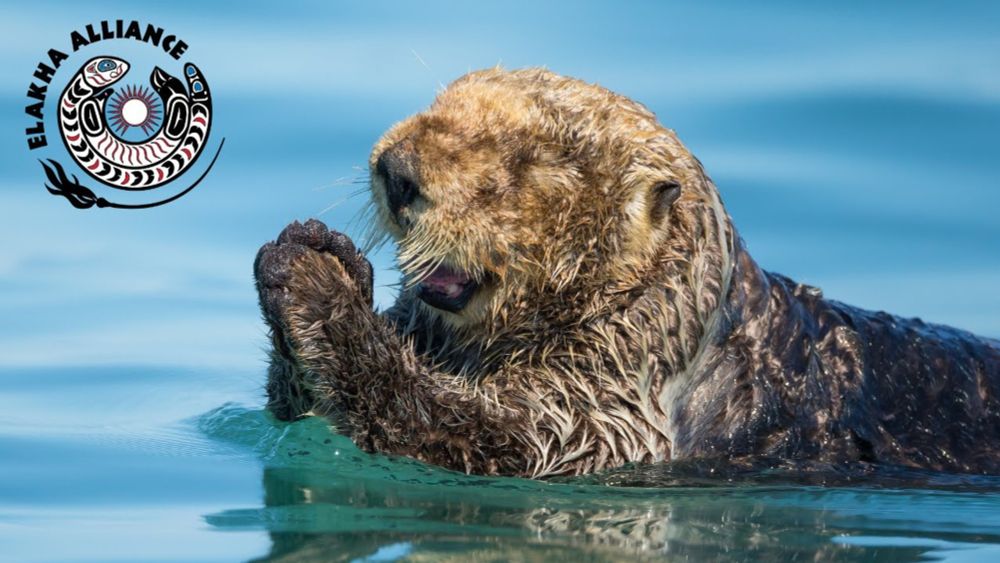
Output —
<point x="401" y="187"/>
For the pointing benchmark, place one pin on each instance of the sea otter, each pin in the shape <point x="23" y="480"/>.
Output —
<point x="575" y="297"/>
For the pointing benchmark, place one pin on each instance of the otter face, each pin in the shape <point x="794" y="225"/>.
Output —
<point x="526" y="189"/>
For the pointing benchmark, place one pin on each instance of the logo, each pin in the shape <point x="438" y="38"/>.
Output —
<point x="125" y="128"/>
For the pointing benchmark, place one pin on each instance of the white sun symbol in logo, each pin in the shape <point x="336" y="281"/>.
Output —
<point x="135" y="106"/>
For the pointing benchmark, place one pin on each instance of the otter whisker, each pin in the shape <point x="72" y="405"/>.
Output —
<point x="338" y="203"/>
<point x="338" y="182"/>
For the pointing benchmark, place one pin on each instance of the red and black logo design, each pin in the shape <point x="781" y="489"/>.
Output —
<point x="126" y="136"/>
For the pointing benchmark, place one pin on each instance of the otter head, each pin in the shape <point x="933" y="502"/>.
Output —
<point x="527" y="194"/>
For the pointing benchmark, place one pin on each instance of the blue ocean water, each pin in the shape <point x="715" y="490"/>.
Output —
<point x="855" y="145"/>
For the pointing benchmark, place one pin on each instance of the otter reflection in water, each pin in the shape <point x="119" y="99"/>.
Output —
<point x="318" y="515"/>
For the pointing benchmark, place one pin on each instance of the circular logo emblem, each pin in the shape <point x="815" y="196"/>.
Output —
<point x="125" y="130"/>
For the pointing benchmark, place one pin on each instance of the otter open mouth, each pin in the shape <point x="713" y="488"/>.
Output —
<point x="447" y="289"/>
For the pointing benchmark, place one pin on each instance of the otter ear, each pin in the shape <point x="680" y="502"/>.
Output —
<point x="662" y="196"/>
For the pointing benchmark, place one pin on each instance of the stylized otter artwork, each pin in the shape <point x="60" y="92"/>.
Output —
<point x="575" y="298"/>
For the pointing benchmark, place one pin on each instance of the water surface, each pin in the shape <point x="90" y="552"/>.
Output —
<point x="855" y="146"/>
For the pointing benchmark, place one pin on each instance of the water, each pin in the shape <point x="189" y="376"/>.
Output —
<point x="854" y="144"/>
<point x="132" y="475"/>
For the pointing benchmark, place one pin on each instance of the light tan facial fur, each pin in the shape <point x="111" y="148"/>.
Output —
<point x="545" y="187"/>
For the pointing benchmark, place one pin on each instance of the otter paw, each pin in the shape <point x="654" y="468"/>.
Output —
<point x="315" y="235"/>
<point x="308" y="268"/>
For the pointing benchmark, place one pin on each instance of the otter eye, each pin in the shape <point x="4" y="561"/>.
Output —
<point x="663" y="195"/>
<point x="106" y="65"/>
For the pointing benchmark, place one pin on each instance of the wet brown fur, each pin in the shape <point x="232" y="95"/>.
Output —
<point x="614" y="325"/>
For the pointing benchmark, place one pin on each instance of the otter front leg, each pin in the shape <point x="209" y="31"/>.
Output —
<point x="334" y="356"/>
<point x="307" y="275"/>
